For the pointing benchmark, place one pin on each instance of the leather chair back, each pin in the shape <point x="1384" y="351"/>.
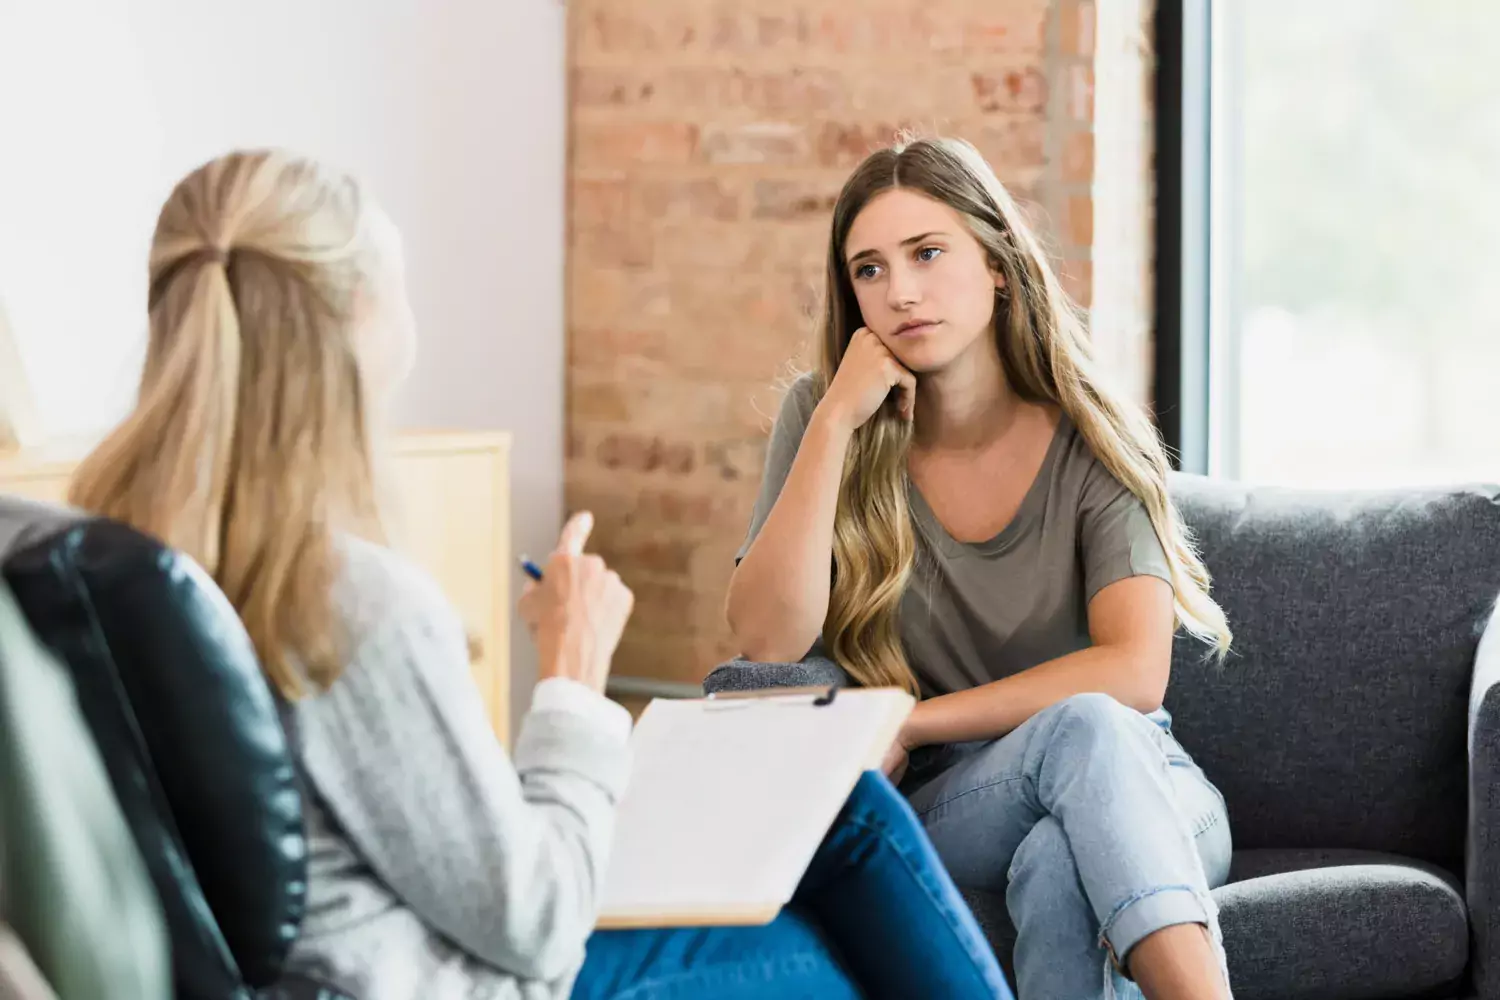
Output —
<point x="170" y="686"/>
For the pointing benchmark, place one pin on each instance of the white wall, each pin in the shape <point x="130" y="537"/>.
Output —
<point x="453" y="110"/>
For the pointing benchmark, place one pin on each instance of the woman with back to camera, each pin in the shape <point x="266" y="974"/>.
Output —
<point x="439" y="869"/>
<point x="1001" y="542"/>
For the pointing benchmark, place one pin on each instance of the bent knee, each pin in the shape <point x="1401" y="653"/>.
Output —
<point x="1045" y="847"/>
<point x="1097" y="714"/>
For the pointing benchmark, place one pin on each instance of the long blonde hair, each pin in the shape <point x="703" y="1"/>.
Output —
<point x="249" y="447"/>
<point x="1047" y="358"/>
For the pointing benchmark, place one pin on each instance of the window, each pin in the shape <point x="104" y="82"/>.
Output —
<point x="1337" y="214"/>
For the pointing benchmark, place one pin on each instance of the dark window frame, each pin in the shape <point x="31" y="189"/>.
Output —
<point x="1183" y="93"/>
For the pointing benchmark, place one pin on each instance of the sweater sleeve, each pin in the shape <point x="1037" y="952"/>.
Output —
<point x="506" y="861"/>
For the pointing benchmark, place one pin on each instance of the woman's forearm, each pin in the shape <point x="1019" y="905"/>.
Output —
<point x="778" y="596"/>
<point x="990" y="711"/>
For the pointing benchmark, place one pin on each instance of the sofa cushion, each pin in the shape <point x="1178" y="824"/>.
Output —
<point x="1340" y="717"/>
<point x="1320" y="925"/>
<point x="746" y="675"/>
<point x="1346" y="924"/>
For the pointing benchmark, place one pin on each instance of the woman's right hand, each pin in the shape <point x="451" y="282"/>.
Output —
<point x="578" y="611"/>
<point x="866" y="376"/>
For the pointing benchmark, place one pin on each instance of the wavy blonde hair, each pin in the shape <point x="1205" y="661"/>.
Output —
<point x="249" y="446"/>
<point x="1047" y="358"/>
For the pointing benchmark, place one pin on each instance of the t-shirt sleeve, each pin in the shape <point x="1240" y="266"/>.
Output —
<point x="1116" y="539"/>
<point x="786" y="437"/>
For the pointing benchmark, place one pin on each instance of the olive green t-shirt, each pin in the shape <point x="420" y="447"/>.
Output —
<point x="975" y="612"/>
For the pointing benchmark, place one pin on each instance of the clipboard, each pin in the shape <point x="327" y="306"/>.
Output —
<point x="730" y="797"/>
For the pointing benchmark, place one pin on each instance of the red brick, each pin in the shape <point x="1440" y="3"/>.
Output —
<point x="617" y="29"/>
<point x="1078" y="158"/>
<point x="691" y="198"/>
<point x="1010" y="146"/>
<point x="596" y="401"/>
<point x="1076" y="28"/>
<point x="998" y="28"/>
<point x="760" y="246"/>
<point x="686" y="509"/>
<point x="663" y="608"/>
<point x="599" y="201"/>
<point x="594" y="87"/>
<point x="628" y="247"/>
<point x="795" y="199"/>
<point x="687" y="408"/>
<point x="654" y="555"/>
<point x="601" y="142"/>
<point x="846" y="144"/>
<point x="944" y="90"/>
<point x="642" y="453"/>
<point x="889" y="26"/>
<point x="735" y="461"/>
<point x="1081" y="93"/>
<point x="618" y="299"/>
<point x="664" y="652"/>
<point x="717" y="90"/>
<point x="599" y="348"/>
<point x="735" y="29"/>
<point x="695" y="343"/>
<point x="757" y="142"/>
<point x="1079" y="231"/>
<point x="1014" y="90"/>
<point x="1077" y="278"/>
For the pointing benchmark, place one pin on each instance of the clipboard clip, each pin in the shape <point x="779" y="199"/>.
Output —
<point x="724" y="700"/>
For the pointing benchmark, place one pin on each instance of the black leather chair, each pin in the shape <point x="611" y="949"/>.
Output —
<point x="169" y="684"/>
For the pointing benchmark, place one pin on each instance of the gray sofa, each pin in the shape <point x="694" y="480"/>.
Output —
<point x="1354" y="731"/>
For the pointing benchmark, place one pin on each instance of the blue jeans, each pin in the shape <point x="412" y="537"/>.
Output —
<point x="875" y="916"/>
<point x="1095" y="825"/>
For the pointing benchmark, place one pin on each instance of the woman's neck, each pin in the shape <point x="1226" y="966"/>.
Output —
<point x="968" y="405"/>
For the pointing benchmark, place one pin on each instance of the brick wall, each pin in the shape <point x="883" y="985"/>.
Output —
<point x="708" y="142"/>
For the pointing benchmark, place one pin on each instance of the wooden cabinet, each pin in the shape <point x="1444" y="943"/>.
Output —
<point x="452" y="517"/>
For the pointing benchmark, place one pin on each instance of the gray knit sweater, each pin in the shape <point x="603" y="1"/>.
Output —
<point x="439" y="869"/>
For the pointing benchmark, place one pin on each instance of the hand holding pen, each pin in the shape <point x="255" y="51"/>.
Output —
<point x="575" y="609"/>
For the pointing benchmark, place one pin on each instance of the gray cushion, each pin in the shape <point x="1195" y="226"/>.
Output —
<point x="1340" y="718"/>
<point x="747" y="675"/>
<point x="1320" y="925"/>
<point x="1340" y="924"/>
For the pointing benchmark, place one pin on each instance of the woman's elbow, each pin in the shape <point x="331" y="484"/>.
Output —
<point x="757" y="640"/>
<point x="543" y="939"/>
<point x="752" y="639"/>
<point x="1149" y="690"/>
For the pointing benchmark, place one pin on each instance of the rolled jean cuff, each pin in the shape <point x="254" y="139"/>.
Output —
<point x="1148" y="913"/>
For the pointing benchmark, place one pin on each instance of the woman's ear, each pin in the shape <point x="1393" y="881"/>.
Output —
<point x="997" y="273"/>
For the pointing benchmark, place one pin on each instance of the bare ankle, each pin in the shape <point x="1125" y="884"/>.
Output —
<point x="1178" y="963"/>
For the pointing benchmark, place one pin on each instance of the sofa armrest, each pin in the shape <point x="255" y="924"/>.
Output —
<point x="746" y="675"/>
<point x="1482" y="843"/>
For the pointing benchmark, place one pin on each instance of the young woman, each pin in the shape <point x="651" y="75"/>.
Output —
<point x="1001" y="543"/>
<point x="438" y="868"/>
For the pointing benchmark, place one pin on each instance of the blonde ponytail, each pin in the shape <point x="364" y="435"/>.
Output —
<point x="248" y="448"/>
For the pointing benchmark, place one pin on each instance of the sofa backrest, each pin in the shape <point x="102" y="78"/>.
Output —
<point x="1340" y="717"/>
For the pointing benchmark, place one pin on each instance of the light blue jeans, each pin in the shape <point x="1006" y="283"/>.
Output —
<point x="1095" y="824"/>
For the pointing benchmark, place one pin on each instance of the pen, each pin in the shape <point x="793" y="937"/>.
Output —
<point x="531" y="569"/>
